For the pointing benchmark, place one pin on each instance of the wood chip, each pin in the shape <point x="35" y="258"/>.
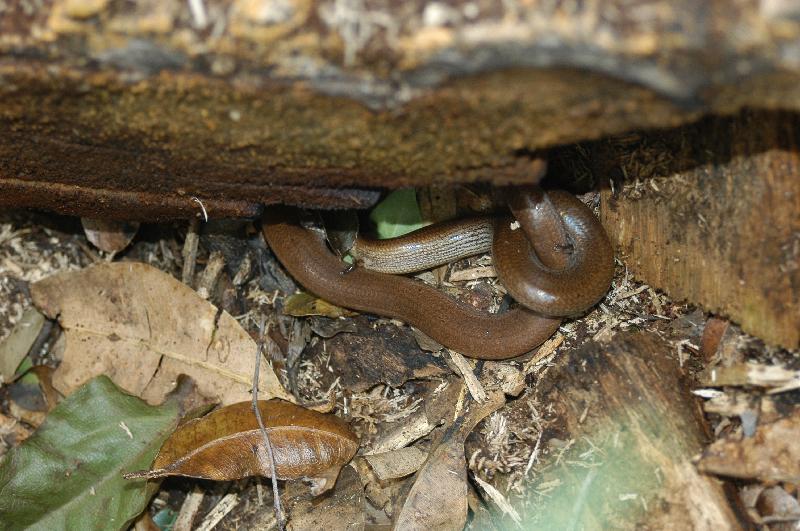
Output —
<point x="775" y="378"/>
<point x="219" y="512"/>
<point x="396" y="464"/>
<point x="416" y="427"/>
<point x="547" y="348"/>
<point x="497" y="497"/>
<point x="473" y="273"/>
<point x="210" y="275"/>
<point x="465" y="369"/>
<point x="189" y="509"/>
<point x="190" y="251"/>
<point x="772" y="454"/>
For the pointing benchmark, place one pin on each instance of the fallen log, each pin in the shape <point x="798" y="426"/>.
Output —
<point x="625" y="431"/>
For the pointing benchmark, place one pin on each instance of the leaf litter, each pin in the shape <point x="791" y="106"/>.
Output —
<point x="68" y="475"/>
<point x="507" y="451"/>
<point x="117" y="323"/>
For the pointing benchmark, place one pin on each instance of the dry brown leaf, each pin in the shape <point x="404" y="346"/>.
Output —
<point x="143" y="329"/>
<point x="227" y="444"/>
<point x="303" y="304"/>
<point x="438" y="498"/>
<point x="109" y="235"/>
<point x="772" y="454"/>
<point x="380" y="493"/>
<point x="344" y="508"/>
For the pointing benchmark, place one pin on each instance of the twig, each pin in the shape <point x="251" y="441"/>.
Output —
<point x="473" y="384"/>
<point x="497" y="497"/>
<point x="224" y="506"/>
<point x="190" y="251"/>
<point x="189" y="510"/>
<point x="262" y="333"/>
<point x="210" y="275"/>
<point x="535" y="453"/>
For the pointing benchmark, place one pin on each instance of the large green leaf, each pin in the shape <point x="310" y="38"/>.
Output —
<point x="68" y="475"/>
<point x="397" y="214"/>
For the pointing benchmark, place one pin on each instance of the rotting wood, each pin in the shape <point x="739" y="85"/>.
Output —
<point x="711" y="214"/>
<point x="129" y="110"/>
<point x="634" y="429"/>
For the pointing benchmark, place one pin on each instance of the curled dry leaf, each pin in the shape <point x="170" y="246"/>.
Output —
<point x="438" y="498"/>
<point x="108" y="235"/>
<point x="227" y="444"/>
<point x="143" y="328"/>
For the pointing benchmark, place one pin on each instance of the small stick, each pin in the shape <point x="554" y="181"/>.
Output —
<point x="219" y="512"/>
<point x="210" y="275"/>
<point x="262" y="332"/>
<point x="190" y="251"/>
<point x="189" y="509"/>
<point x="465" y="369"/>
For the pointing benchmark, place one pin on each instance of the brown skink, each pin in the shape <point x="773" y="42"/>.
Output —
<point x="565" y="269"/>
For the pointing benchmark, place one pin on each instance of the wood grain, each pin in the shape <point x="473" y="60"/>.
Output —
<point x="635" y="429"/>
<point x="711" y="214"/>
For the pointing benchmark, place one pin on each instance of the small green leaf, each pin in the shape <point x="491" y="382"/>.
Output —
<point x="68" y="475"/>
<point x="28" y="376"/>
<point x="15" y="347"/>
<point x="397" y="214"/>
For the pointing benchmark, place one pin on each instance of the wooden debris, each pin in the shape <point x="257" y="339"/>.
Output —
<point x="412" y="428"/>
<point x="210" y="275"/>
<point x="225" y="505"/>
<point x="709" y="214"/>
<point x="631" y="429"/>
<point x="543" y="353"/>
<point x="473" y="273"/>
<point x="774" y="378"/>
<point x="378" y="353"/>
<point x="497" y="497"/>
<point x="465" y="369"/>
<point x="189" y="509"/>
<point x="343" y="508"/>
<point x="190" y="251"/>
<point x="438" y="498"/>
<point x="772" y="454"/>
